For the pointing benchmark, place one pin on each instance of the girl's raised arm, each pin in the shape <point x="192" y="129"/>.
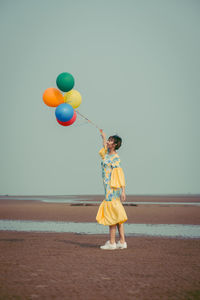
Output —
<point x="103" y="137"/>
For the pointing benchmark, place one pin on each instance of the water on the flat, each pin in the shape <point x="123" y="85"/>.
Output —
<point x="162" y="230"/>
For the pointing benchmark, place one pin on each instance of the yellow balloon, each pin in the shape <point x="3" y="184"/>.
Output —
<point x="73" y="97"/>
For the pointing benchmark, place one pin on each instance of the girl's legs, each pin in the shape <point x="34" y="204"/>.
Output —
<point x="121" y="233"/>
<point x="112" y="233"/>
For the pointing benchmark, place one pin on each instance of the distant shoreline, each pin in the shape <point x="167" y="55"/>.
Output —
<point x="93" y="195"/>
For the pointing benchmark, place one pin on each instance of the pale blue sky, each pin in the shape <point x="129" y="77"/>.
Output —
<point x="136" y="64"/>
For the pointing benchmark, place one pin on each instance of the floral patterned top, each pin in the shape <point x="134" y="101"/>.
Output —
<point x="112" y="174"/>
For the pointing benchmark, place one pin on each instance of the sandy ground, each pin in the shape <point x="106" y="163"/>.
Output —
<point x="72" y="266"/>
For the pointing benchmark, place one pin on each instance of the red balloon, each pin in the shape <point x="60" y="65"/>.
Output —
<point x="70" y="122"/>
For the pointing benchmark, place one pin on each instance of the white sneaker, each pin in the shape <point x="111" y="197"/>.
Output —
<point x="121" y="245"/>
<point x="109" y="246"/>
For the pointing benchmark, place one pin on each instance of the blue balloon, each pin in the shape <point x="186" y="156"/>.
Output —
<point x="64" y="112"/>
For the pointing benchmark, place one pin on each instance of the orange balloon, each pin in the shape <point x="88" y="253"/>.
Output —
<point x="53" y="97"/>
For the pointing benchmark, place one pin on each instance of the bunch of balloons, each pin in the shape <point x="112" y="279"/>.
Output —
<point x="65" y="103"/>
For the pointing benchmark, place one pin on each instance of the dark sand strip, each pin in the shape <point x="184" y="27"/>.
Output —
<point x="145" y="214"/>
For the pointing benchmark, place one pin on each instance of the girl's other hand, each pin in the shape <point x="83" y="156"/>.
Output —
<point x="123" y="196"/>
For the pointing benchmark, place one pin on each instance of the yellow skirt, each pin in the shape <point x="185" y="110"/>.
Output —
<point x="111" y="213"/>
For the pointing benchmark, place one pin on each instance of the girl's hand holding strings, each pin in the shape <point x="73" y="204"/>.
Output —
<point x="103" y="137"/>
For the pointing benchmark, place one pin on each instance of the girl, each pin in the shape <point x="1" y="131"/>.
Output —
<point x="111" y="211"/>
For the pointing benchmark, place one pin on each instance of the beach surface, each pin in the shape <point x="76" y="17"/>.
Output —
<point x="71" y="266"/>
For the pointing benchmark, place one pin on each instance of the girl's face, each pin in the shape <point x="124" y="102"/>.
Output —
<point x="110" y="144"/>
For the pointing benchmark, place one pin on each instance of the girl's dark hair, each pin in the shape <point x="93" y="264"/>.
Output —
<point x="117" y="141"/>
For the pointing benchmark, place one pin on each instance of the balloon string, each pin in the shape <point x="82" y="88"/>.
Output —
<point x="87" y="119"/>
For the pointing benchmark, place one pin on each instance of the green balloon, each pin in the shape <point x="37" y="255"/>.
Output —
<point x="65" y="82"/>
